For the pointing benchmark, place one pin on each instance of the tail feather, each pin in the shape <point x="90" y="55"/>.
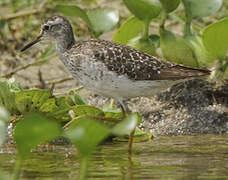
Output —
<point x="182" y="72"/>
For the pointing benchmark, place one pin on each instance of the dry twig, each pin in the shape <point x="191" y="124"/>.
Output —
<point x="7" y="75"/>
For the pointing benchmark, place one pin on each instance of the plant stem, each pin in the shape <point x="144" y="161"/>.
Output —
<point x="84" y="167"/>
<point x="187" y="28"/>
<point x="146" y="24"/>
<point x="17" y="169"/>
<point x="188" y="14"/>
<point x="112" y="102"/>
<point x="163" y="19"/>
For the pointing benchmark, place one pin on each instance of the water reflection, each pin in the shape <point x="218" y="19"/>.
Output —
<point x="182" y="157"/>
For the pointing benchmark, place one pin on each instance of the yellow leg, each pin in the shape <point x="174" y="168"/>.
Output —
<point x="130" y="142"/>
<point x="126" y="111"/>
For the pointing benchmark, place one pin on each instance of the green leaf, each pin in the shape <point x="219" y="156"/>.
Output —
<point x="128" y="30"/>
<point x="127" y="125"/>
<point x="33" y="130"/>
<point x="42" y="101"/>
<point x="111" y="112"/>
<point x="99" y="20"/>
<point x="201" y="8"/>
<point x="88" y="110"/>
<point x="31" y="100"/>
<point x="86" y="134"/>
<point x="204" y="58"/>
<point x="176" y="49"/>
<point x="170" y="5"/>
<point x="215" y="38"/>
<point x="145" y="45"/>
<point x="78" y="100"/>
<point x="7" y="95"/>
<point x="57" y="108"/>
<point x="4" y="119"/>
<point x="145" y="10"/>
<point x="103" y="19"/>
<point x="74" y="11"/>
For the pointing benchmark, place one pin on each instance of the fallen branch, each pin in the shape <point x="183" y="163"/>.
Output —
<point x="59" y="81"/>
<point x="7" y="75"/>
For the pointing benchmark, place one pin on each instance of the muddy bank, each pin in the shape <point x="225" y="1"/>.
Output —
<point x="195" y="106"/>
<point x="191" y="107"/>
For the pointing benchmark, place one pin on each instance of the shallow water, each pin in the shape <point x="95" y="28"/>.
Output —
<point x="168" y="158"/>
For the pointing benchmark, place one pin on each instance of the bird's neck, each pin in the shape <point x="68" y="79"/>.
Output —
<point x="64" y="43"/>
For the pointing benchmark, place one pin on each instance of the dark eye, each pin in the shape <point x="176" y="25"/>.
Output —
<point x="46" y="27"/>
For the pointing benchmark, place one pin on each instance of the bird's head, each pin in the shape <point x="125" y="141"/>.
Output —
<point x="53" y="28"/>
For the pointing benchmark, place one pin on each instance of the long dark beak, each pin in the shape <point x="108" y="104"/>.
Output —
<point x="38" y="39"/>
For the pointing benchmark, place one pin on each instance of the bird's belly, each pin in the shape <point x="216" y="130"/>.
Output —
<point x="111" y="85"/>
<point x="97" y="78"/>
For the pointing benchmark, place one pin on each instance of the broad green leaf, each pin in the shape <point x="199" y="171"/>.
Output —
<point x="31" y="100"/>
<point x="88" y="110"/>
<point x="201" y="8"/>
<point x="33" y="130"/>
<point x="48" y="106"/>
<point x="74" y="11"/>
<point x="215" y="38"/>
<point x="204" y="58"/>
<point x="127" y="125"/>
<point x="128" y="30"/>
<point x="145" y="45"/>
<point x="176" y="49"/>
<point x="86" y="134"/>
<point x="111" y="112"/>
<point x="4" y="119"/>
<point x="42" y="101"/>
<point x="103" y="19"/>
<point x="7" y="95"/>
<point x="145" y="10"/>
<point x="170" y="5"/>
<point x="78" y="100"/>
<point x="57" y="108"/>
<point x="99" y="20"/>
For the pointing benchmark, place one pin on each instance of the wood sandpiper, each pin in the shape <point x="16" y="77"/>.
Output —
<point x="113" y="70"/>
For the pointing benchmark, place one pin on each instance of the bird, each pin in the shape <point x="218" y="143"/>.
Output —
<point x="110" y="69"/>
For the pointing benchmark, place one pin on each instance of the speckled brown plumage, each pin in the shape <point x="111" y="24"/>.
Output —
<point x="135" y="64"/>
